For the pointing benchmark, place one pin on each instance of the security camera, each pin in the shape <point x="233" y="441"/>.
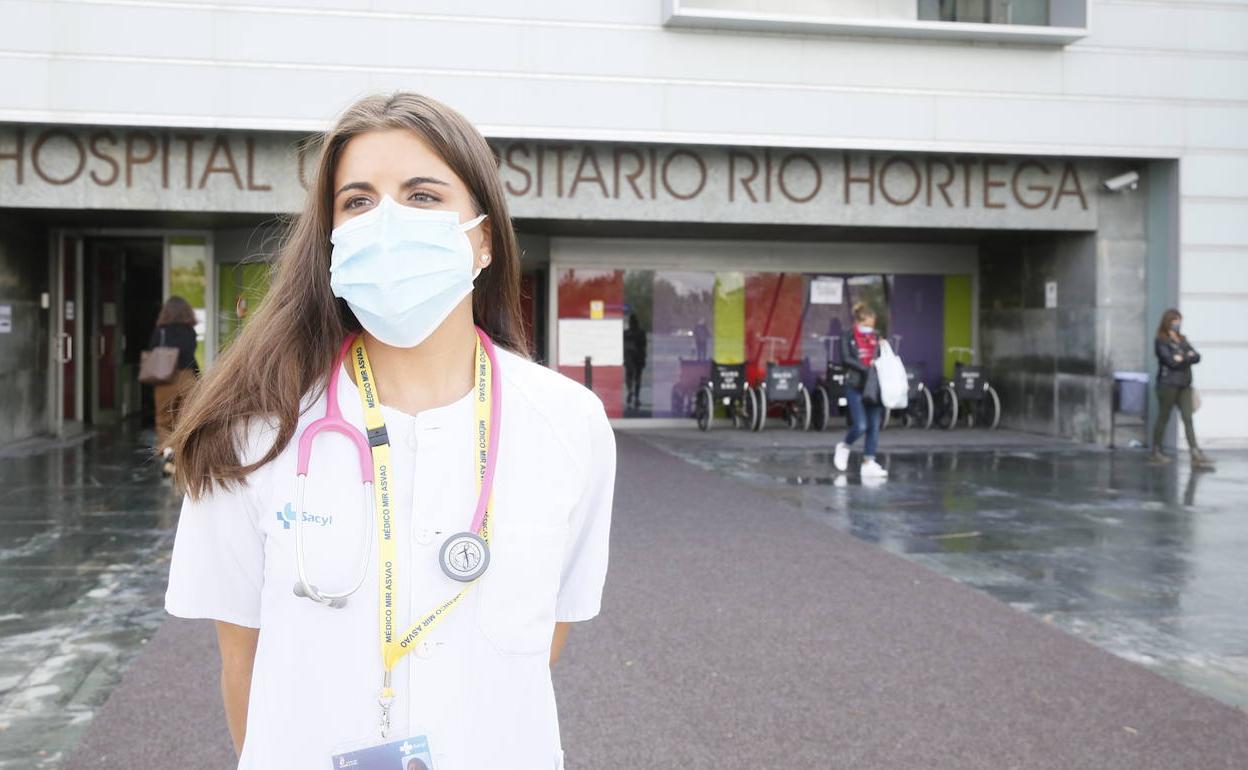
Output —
<point x="1127" y="181"/>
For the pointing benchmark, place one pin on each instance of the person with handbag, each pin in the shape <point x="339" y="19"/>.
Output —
<point x="175" y="331"/>
<point x="1175" y="358"/>
<point x="859" y="347"/>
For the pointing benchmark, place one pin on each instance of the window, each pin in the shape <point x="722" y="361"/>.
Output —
<point x="1029" y="22"/>
<point x="1033" y="12"/>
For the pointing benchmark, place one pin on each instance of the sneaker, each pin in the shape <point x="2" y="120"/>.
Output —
<point x="1201" y="461"/>
<point x="840" y="458"/>
<point x="1157" y="458"/>
<point x="873" y="470"/>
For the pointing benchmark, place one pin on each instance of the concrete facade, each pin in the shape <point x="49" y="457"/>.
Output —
<point x="1054" y="366"/>
<point x="1139" y="81"/>
<point x="24" y="348"/>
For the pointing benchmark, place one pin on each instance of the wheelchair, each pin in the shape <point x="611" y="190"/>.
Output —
<point x="829" y="399"/>
<point x="783" y="386"/>
<point x="693" y="375"/>
<point x="727" y="387"/>
<point x="968" y="395"/>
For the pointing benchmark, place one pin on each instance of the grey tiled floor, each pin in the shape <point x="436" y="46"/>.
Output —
<point x="1146" y="562"/>
<point x="85" y="529"/>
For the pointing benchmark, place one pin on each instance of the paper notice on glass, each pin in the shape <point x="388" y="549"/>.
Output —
<point x="602" y="341"/>
<point x="827" y="291"/>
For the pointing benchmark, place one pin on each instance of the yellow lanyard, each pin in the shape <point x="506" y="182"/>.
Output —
<point x="393" y="646"/>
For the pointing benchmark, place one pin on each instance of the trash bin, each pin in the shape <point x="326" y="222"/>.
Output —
<point x="1131" y="392"/>
<point x="1131" y="398"/>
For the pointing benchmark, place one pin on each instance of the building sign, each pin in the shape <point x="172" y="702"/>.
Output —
<point x="68" y="167"/>
<point x="817" y="187"/>
<point x="150" y="169"/>
<point x="827" y="291"/>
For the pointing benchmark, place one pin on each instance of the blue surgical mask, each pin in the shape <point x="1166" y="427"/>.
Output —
<point x="402" y="270"/>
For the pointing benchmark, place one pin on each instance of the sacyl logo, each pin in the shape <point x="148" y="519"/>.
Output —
<point x="287" y="517"/>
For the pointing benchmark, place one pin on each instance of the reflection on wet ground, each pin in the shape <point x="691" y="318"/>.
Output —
<point x="1147" y="563"/>
<point x="85" y="531"/>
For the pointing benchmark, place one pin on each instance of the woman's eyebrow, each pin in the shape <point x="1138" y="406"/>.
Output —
<point x="413" y="182"/>
<point x="365" y="186"/>
<point x="416" y="180"/>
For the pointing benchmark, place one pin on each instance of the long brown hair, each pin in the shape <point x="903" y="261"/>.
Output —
<point x="1167" y="318"/>
<point x="289" y="344"/>
<point x="176" y="311"/>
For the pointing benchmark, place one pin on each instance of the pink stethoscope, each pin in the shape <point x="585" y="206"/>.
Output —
<point x="333" y="421"/>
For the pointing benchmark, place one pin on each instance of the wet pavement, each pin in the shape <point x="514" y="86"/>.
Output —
<point x="1145" y="563"/>
<point x="85" y="531"/>
<point x="1148" y="563"/>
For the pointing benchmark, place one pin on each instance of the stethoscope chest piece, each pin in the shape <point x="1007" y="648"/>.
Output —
<point x="464" y="557"/>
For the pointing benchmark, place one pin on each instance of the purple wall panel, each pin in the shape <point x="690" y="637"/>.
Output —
<point x="918" y="315"/>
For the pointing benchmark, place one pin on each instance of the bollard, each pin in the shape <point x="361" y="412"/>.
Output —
<point x="589" y="372"/>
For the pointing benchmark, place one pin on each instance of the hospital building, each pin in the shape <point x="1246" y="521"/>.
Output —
<point x="1028" y="183"/>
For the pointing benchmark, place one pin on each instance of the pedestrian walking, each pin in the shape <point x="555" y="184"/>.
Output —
<point x="1175" y="359"/>
<point x="391" y="513"/>
<point x="859" y="348"/>
<point x="175" y="328"/>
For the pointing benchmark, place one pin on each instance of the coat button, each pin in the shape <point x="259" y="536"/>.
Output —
<point x="424" y="536"/>
<point x="425" y="650"/>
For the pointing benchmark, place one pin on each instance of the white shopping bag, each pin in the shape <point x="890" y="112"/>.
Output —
<point x="894" y="385"/>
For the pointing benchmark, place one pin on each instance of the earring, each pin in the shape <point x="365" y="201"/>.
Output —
<point x="485" y="259"/>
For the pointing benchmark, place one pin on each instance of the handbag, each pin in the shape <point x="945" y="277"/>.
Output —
<point x="158" y="365"/>
<point x="871" y="390"/>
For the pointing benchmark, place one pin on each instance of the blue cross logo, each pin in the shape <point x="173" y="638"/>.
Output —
<point x="286" y="516"/>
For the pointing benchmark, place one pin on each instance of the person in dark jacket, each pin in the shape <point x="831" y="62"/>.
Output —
<point x="175" y="328"/>
<point x="859" y="346"/>
<point x="634" y="361"/>
<point x="1175" y="358"/>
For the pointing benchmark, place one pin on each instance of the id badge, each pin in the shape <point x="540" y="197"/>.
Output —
<point x="404" y="754"/>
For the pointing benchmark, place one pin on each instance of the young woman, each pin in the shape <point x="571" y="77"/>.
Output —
<point x="359" y="622"/>
<point x="1175" y="358"/>
<point x="175" y="328"/>
<point x="859" y="347"/>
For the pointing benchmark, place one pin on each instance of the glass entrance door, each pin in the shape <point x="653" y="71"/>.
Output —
<point x="67" y="335"/>
<point x="105" y="267"/>
<point x="189" y="276"/>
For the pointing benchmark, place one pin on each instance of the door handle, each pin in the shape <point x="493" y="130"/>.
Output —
<point x="103" y="342"/>
<point x="66" y="353"/>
